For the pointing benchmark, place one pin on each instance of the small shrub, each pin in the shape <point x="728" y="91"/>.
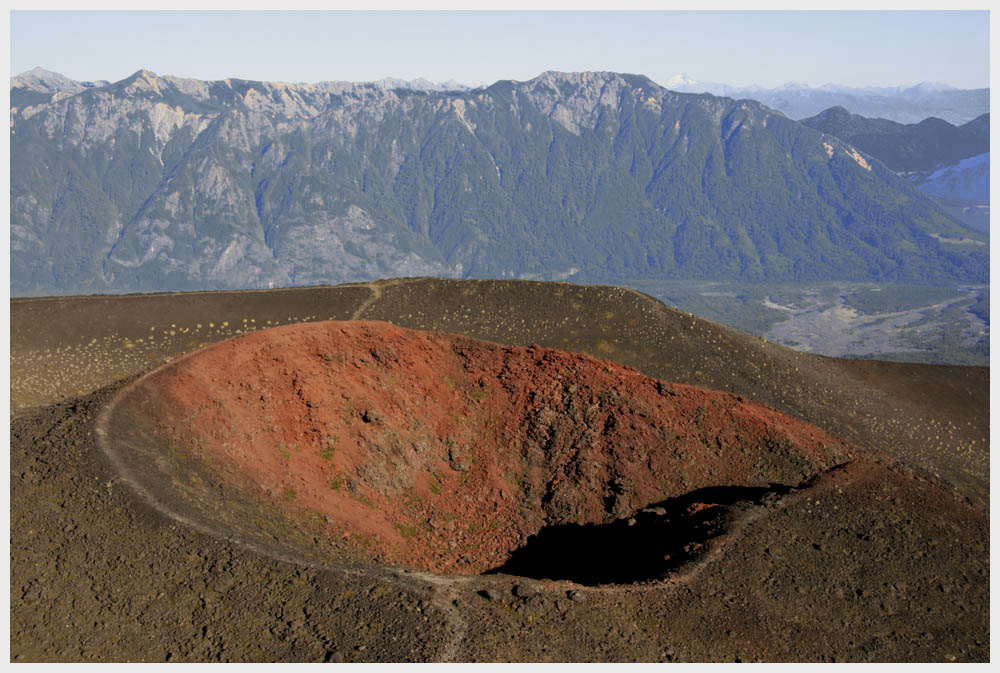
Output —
<point x="326" y="453"/>
<point x="363" y="499"/>
<point x="405" y="530"/>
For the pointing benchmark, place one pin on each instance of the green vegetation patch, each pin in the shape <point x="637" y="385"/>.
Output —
<point x="330" y="448"/>
<point x="405" y="530"/>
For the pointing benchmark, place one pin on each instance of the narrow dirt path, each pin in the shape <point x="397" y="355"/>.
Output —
<point x="376" y="289"/>
<point x="444" y="597"/>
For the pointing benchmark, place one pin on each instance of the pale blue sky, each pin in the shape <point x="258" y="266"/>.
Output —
<point x="767" y="48"/>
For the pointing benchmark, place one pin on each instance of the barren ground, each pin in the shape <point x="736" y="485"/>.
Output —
<point x="878" y="555"/>
<point x="911" y="323"/>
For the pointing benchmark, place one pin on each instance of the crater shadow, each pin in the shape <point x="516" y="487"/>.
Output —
<point x="650" y="545"/>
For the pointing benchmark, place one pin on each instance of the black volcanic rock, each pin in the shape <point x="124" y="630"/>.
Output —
<point x="164" y="183"/>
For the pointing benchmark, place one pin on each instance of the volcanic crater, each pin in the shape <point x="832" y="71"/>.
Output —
<point x="369" y="442"/>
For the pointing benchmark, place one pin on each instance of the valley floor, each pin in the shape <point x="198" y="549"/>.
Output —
<point x="935" y="324"/>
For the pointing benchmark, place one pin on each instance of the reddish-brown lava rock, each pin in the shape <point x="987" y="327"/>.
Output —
<point x="439" y="452"/>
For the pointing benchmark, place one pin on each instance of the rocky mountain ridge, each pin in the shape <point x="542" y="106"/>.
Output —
<point x="167" y="183"/>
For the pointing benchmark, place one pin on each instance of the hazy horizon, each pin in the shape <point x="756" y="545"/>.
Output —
<point x="739" y="49"/>
<point x="665" y="82"/>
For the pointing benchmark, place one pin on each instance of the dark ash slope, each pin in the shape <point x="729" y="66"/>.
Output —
<point x="870" y="561"/>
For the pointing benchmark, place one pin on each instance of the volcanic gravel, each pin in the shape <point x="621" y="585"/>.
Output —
<point x="873" y="547"/>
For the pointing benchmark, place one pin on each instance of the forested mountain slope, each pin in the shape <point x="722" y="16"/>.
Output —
<point x="163" y="183"/>
<point x="907" y="147"/>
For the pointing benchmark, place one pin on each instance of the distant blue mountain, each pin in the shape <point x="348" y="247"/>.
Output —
<point x="966" y="180"/>
<point x="907" y="147"/>
<point x="903" y="104"/>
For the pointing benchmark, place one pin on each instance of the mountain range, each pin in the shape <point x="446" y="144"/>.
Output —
<point x="166" y="183"/>
<point x="948" y="163"/>
<point x="39" y="85"/>
<point x="903" y="104"/>
<point x="907" y="147"/>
